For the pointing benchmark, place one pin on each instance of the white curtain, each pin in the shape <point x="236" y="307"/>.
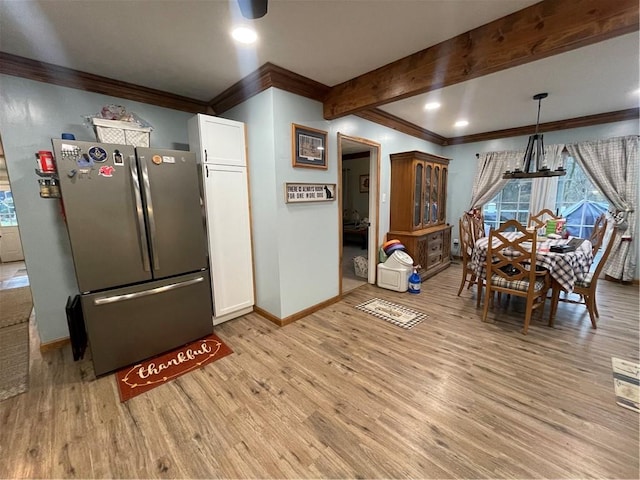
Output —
<point x="612" y="165"/>
<point x="545" y="189"/>
<point x="489" y="181"/>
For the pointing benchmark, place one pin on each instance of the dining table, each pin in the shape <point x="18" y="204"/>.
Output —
<point x="564" y="268"/>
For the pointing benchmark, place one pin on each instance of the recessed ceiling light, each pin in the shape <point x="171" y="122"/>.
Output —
<point x="432" y="106"/>
<point x="244" y="35"/>
<point x="461" y="123"/>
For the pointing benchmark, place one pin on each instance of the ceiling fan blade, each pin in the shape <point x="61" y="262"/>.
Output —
<point x="253" y="9"/>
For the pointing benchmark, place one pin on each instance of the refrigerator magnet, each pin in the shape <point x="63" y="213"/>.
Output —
<point x="118" y="159"/>
<point x="157" y="159"/>
<point x="98" y="154"/>
<point x="106" y="171"/>
<point x="166" y="159"/>
<point x="85" y="161"/>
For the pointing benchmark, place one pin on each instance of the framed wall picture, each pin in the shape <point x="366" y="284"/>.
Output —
<point x="364" y="183"/>
<point x="309" y="147"/>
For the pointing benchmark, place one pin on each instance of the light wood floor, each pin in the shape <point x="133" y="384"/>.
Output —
<point x="341" y="394"/>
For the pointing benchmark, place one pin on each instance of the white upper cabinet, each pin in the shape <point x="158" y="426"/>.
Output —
<point x="217" y="140"/>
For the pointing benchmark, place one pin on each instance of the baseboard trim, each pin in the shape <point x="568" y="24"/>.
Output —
<point x="268" y="316"/>
<point x="281" y="322"/>
<point x="635" y="281"/>
<point x="231" y="316"/>
<point x="54" y="345"/>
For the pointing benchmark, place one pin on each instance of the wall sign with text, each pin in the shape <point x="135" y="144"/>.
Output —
<point x="309" y="192"/>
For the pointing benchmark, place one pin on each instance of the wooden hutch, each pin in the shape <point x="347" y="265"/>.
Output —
<point x="418" y="209"/>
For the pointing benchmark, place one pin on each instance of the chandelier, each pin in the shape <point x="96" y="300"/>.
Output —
<point x="534" y="163"/>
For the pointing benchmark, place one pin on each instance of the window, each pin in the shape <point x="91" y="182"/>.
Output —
<point x="512" y="202"/>
<point x="579" y="201"/>
<point x="7" y="210"/>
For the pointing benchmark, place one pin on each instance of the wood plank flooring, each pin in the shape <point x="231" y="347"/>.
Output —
<point x="342" y="394"/>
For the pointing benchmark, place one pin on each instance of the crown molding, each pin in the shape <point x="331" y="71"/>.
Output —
<point x="67" y="77"/>
<point x="267" y="76"/>
<point x="396" y="123"/>
<point x="577" y="122"/>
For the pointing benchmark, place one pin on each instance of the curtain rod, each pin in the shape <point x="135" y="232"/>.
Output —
<point x="564" y="149"/>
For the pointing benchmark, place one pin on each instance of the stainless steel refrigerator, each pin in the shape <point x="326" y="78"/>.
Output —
<point x="137" y="234"/>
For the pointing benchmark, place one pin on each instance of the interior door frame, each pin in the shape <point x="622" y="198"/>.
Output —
<point x="374" y="205"/>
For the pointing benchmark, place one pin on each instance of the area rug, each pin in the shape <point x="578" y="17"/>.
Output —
<point x="154" y="372"/>
<point x="14" y="359"/>
<point x="392" y="312"/>
<point x="626" y="381"/>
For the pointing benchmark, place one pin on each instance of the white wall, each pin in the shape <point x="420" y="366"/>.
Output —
<point x="31" y="113"/>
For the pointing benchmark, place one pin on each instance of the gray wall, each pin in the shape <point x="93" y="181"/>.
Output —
<point x="32" y="113"/>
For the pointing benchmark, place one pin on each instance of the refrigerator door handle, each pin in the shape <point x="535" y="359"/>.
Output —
<point x="152" y="221"/>
<point x="143" y="231"/>
<point x="154" y="291"/>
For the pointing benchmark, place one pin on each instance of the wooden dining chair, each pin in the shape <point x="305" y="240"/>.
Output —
<point x="466" y="226"/>
<point x="597" y="234"/>
<point x="539" y="220"/>
<point x="477" y="224"/>
<point x="511" y="269"/>
<point x="585" y="287"/>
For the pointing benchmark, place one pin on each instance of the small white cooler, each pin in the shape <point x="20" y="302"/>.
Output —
<point x="394" y="273"/>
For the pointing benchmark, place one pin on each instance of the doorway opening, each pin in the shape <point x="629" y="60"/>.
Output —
<point x="10" y="244"/>
<point x="359" y="167"/>
<point x="13" y="273"/>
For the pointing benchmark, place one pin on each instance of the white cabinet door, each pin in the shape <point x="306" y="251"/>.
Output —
<point x="229" y="230"/>
<point x="221" y="141"/>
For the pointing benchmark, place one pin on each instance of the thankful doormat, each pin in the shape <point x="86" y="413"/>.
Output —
<point x="154" y="372"/>
<point x="626" y="381"/>
<point x="392" y="312"/>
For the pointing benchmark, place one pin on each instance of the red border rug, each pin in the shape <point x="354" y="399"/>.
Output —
<point x="154" y="372"/>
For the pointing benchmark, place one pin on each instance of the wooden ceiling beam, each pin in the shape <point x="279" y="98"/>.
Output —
<point x="536" y="32"/>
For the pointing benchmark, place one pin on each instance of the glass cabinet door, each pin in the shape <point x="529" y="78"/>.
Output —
<point x="434" y="195"/>
<point x="417" y="194"/>
<point x="427" y="194"/>
<point x="443" y="196"/>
